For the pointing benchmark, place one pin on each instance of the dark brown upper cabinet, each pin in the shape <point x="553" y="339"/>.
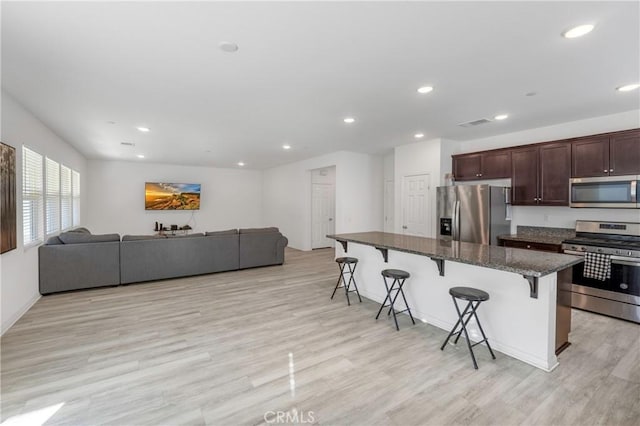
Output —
<point x="467" y="166"/>
<point x="484" y="165"/>
<point x="607" y="155"/>
<point x="624" y="153"/>
<point x="540" y="175"/>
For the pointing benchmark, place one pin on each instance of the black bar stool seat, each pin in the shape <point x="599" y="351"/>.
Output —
<point x="399" y="277"/>
<point x="348" y="263"/>
<point x="395" y="273"/>
<point x="474" y="296"/>
<point x="469" y="294"/>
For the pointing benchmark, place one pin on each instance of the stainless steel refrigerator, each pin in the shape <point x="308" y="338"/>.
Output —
<point x="473" y="213"/>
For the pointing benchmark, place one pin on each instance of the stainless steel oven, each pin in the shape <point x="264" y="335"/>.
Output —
<point x="617" y="294"/>
<point x="607" y="192"/>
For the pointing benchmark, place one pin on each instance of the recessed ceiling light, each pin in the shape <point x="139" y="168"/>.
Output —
<point x="349" y="120"/>
<point x="127" y="143"/>
<point x="501" y="116"/>
<point x="530" y="93"/>
<point x="418" y="135"/>
<point x="240" y="163"/>
<point x="578" y="31"/>
<point x="143" y="129"/>
<point x="140" y="156"/>
<point x="628" y="87"/>
<point x="227" y="46"/>
<point x="425" y="89"/>
<point x="286" y="146"/>
<point x="111" y="122"/>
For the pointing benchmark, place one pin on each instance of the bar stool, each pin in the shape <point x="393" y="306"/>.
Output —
<point x="474" y="296"/>
<point x="399" y="278"/>
<point x="351" y="263"/>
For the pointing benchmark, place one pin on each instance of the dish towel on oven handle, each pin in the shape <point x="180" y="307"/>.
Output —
<point x="597" y="266"/>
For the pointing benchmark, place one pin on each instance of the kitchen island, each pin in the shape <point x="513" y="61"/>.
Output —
<point x="528" y="316"/>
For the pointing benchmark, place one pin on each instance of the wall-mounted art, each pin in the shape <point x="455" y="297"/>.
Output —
<point x="8" y="228"/>
<point x="171" y="196"/>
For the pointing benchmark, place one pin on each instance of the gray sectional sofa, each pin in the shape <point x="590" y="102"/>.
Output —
<point x="80" y="260"/>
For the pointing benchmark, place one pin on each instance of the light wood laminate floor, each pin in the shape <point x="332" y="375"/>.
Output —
<point x="227" y="348"/>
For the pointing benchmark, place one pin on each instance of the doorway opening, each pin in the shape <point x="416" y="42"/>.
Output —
<point x="323" y="206"/>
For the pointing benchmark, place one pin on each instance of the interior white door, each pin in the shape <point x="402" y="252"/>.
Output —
<point x="415" y="205"/>
<point x="389" y="206"/>
<point x="323" y="207"/>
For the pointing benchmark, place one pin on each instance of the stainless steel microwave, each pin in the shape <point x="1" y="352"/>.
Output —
<point x="605" y="192"/>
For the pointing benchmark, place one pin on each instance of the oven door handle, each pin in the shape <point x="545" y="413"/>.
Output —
<point x="628" y="261"/>
<point x="575" y="253"/>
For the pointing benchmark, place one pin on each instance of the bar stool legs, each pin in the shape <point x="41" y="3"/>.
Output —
<point x="474" y="297"/>
<point x="350" y="263"/>
<point x="399" y="277"/>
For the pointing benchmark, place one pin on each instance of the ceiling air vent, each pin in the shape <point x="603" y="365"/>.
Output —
<point x="127" y="144"/>
<point x="475" y="123"/>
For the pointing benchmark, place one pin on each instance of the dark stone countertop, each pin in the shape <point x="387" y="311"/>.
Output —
<point x="519" y="261"/>
<point x="535" y="234"/>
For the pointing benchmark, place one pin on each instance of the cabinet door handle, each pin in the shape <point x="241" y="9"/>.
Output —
<point x="481" y="174"/>
<point x="610" y="170"/>
<point x="404" y="227"/>
<point x="605" y="170"/>
<point x="528" y="246"/>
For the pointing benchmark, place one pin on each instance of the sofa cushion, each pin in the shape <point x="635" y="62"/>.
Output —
<point x="142" y="237"/>
<point x="227" y="232"/>
<point x="257" y="230"/>
<point x="199" y="234"/>
<point x="52" y="241"/>
<point x="81" y="229"/>
<point x="81" y="237"/>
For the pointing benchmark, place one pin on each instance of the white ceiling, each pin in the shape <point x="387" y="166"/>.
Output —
<point x="302" y="67"/>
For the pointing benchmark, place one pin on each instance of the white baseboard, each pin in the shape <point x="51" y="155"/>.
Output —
<point x="15" y="317"/>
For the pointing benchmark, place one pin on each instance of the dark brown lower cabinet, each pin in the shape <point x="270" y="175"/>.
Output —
<point x="540" y="175"/>
<point x="555" y="248"/>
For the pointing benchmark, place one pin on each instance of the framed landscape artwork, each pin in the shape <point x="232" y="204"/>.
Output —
<point x="171" y="196"/>
<point x="8" y="230"/>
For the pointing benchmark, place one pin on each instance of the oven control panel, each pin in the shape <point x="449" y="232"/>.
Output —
<point x="576" y="249"/>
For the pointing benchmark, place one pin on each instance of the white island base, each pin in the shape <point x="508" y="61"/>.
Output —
<point x="515" y="323"/>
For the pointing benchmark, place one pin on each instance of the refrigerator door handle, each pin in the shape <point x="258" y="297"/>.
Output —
<point x="456" y="221"/>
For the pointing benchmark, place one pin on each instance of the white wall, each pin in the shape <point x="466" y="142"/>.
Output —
<point x="359" y="189"/>
<point x="230" y="198"/>
<point x="559" y="217"/>
<point x="389" y="204"/>
<point x="415" y="159"/>
<point x="19" y="275"/>
<point x="590" y="126"/>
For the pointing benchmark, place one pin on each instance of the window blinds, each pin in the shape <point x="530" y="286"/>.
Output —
<point x="32" y="196"/>
<point x="76" y="197"/>
<point x="66" y="201"/>
<point x="52" y="197"/>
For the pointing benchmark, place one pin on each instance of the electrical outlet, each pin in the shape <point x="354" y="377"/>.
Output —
<point x="546" y="218"/>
